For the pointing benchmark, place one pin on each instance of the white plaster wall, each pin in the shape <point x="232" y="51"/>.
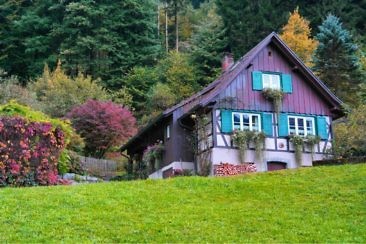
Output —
<point x="224" y="155"/>
<point x="270" y="143"/>
<point x="175" y="165"/>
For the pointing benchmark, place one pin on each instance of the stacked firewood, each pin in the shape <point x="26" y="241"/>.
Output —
<point x="227" y="169"/>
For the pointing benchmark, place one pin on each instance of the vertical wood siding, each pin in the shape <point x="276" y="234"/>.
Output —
<point x="239" y="94"/>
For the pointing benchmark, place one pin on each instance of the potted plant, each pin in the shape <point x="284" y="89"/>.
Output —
<point x="297" y="142"/>
<point x="275" y="96"/>
<point x="241" y="139"/>
<point x="310" y="142"/>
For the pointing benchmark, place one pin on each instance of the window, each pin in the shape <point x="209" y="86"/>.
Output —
<point x="167" y="132"/>
<point x="246" y="121"/>
<point x="272" y="81"/>
<point x="301" y="126"/>
<point x="280" y="81"/>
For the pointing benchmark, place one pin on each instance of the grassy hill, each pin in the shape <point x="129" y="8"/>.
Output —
<point x="320" y="204"/>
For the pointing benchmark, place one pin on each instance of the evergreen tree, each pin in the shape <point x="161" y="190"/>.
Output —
<point x="247" y="22"/>
<point x="28" y="40"/>
<point x="351" y="12"/>
<point x="208" y="45"/>
<point x="296" y="34"/>
<point x="138" y="82"/>
<point x="104" y="39"/>
<point x="335" y="59"/>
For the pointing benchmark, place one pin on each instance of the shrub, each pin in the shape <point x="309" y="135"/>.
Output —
<point x="63" y="162"/>
<point x="153" y="156"/>
<point x="10" y="89"/>
<point x="72" y="139"/>
<point x="29" y="152"/>
<point x="350" y="134"/>
<point x="75" y="165"/>
<point x="102" y="125"/>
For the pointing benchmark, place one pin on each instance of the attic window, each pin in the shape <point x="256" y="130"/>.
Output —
<point x="269" y="53"/>
<point x="272" y="81"/>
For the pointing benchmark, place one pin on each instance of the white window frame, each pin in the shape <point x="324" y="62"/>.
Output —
<point x="272" y="82"/>
<point x="251" y="115"/>
<point x="304" y="118"/>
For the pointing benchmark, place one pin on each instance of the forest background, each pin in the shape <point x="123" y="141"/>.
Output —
<point x="147" y="55"/>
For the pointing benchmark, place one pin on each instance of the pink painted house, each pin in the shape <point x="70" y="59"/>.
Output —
<point x="235" y="101"/>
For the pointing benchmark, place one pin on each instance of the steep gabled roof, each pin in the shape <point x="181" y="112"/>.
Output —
<point x="208" y="94"/>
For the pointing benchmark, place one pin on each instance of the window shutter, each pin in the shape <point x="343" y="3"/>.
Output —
<point x="286" y="80"/>
<point x="267" y="124"/>
<point x="321" y="126"/>
<point x="257" y="80"/>
<point x="282" y="125"/>
<point x="226" y="121"/>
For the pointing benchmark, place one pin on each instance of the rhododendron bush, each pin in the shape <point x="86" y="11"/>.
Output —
<point x="29" y="152"/>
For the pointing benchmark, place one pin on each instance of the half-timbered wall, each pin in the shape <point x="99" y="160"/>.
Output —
<point x="274" y="143"/>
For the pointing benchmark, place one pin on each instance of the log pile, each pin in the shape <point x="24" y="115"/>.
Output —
<point x="227" y="169"/>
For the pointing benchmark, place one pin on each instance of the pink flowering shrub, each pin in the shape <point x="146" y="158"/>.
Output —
<point x="29" y="152"/>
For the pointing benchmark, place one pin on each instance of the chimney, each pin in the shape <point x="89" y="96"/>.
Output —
<point x="227" y="62"/>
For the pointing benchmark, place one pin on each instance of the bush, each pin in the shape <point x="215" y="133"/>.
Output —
<point x="10" y="89"/>
<point x="29" y="152"/>
<point x="75" y="165"/>
<point x="339" y="161"/>
<point x="102" y="125"/>
<point x="72" y="139"/>
<point x="350" y="134"/>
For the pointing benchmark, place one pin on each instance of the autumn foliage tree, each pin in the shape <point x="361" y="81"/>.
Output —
<point x="59" y="92"/>
<point x="102" y="125"/>
<point x="296" y="34"/>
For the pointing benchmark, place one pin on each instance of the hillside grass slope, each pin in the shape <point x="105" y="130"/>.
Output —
<point x="320" y="204"/>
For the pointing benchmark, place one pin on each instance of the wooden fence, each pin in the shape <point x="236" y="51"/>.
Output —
<point x="99" y="167"/>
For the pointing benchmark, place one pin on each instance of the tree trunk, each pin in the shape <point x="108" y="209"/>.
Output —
<point x="166" y="27"/>
<point x="176" y="28"/>
<point x="158" y="19"/>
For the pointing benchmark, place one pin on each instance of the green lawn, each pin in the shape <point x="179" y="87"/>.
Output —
<point x="320" y="204"/>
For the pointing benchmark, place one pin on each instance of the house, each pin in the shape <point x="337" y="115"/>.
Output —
<point x="236" y="101"/>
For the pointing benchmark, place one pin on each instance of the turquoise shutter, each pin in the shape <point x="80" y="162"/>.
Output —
<point x="257" y="80"/>
<point x="282" y="125"/>
<point x="226" y="121"/>
<point x="286" y="83"/>
<point x="267" y="124"/>
<point x="321" y="127"/>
